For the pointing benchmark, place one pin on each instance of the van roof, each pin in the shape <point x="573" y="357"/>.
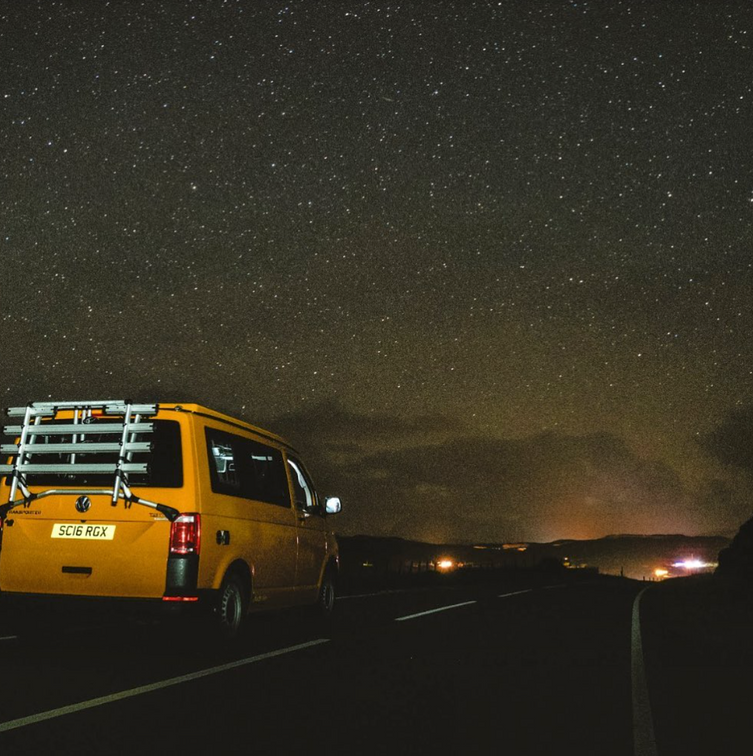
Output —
<point x="202" y="411"/>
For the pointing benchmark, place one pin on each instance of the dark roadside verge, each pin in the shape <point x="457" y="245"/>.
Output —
<point x="698" y="653"/>
<point x="507" y="579"/>
<point x="370" y="565"/>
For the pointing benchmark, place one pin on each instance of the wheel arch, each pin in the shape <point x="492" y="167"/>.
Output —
<point x="332" y="564"/>
<point x="240" y="569"/>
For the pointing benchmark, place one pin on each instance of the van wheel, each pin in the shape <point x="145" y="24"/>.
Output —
<point x="230" y="607"/>
<point x="326" y="601"/>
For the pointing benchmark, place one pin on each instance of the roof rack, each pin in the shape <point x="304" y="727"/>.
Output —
<point x="128" y="421"/>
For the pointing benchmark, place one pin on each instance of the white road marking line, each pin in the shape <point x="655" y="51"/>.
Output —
<point x="644" y="741"/>
<point x="14" y="724"/>
<point x="9" y="637"/>
<point x="549" y="587"/>
<point x="433" y="611"/>
<point x="369" y="595"/>
<point x="515" y="593"/>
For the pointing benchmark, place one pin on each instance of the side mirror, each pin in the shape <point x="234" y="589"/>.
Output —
<point x="332" y="505"/>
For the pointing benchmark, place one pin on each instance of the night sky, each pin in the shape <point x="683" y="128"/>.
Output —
<point x="489" y="265"/>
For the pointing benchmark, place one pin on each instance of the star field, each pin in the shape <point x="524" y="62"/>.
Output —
<point x="489" y="223"/>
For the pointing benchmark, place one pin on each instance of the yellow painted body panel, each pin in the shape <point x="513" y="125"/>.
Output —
<point x="131" y="564"/>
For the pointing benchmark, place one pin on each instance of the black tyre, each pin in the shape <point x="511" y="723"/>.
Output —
<point x="231" y="607"/>
<point x="326" y="601"/>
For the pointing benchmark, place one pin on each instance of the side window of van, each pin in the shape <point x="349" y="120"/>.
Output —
<point x="222" y="465"/>
<point x="241" y="467"/>
<point x="303" y="490"/>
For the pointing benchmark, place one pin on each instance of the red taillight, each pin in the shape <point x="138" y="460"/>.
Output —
<point x="185" y="534"/>
<point x="180" y="598"/>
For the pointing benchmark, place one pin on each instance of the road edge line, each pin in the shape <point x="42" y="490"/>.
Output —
<point x="14" y="724"/>
<point x="644" y="740"/>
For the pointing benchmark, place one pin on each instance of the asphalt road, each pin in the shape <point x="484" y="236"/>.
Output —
<point x="699" y="659"/>
<point x="543" y="670"/>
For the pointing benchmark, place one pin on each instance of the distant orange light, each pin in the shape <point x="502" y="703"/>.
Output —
<point x="445" y="564"/>
<point x="659" y="572"/>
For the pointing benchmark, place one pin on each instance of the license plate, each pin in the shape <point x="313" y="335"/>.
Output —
<point x="83" y="530"/>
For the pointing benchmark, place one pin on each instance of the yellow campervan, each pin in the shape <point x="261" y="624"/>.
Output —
<point x="170" y="505"/>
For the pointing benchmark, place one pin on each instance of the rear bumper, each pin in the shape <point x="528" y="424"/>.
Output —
<point x="180" y="596"/>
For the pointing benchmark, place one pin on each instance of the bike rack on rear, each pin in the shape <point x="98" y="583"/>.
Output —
<point x="40" y="421"/>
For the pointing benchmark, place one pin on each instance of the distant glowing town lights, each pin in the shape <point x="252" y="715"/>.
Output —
<point x="692" y="564"/>
<point x="687" y="566"/>
<point x="445" y="564"/>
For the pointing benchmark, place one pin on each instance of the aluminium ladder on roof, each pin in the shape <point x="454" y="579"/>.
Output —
<point x="123" y="431"/>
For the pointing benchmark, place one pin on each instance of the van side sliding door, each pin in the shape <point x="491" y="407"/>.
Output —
<point x="252" y="503"/>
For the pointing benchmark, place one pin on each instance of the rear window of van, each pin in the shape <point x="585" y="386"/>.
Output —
<point x="165" y="461"/>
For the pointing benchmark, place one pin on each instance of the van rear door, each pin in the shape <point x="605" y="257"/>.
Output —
<point x="51" y="548"/>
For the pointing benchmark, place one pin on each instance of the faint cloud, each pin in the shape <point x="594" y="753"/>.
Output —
<point x="430" y="474"/>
